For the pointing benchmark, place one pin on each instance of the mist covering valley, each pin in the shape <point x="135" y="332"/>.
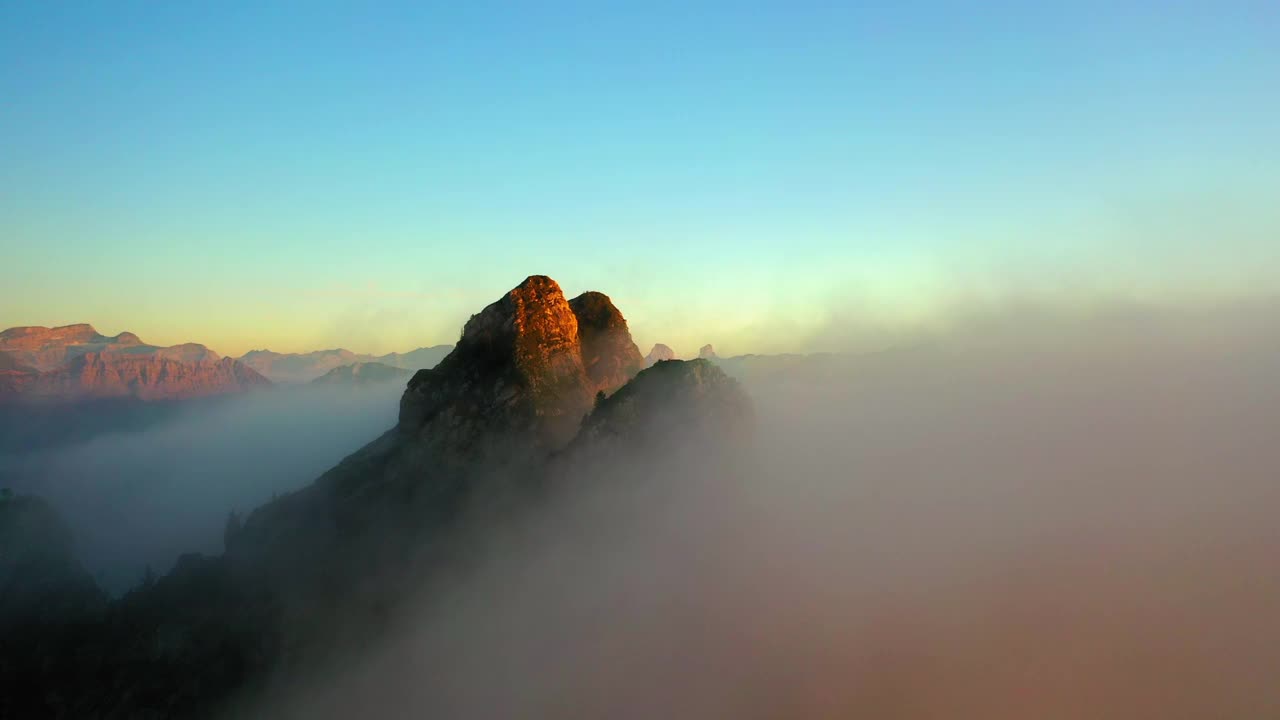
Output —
<point x="1034" y="516"/>
<point x="142" y="497"/>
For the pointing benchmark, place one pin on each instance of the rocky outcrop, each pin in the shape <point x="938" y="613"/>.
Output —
<point x="706" y="352"/>
<point x="659" y="353"/>
<point x="305" y="367"/>
<point x="363" y="373"/>
<point x="75" y="363"/>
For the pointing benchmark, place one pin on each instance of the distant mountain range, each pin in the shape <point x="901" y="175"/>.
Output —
<point x="363" y="373"/>
<point x="305" y="367"/>
<point x="76" y="362"/>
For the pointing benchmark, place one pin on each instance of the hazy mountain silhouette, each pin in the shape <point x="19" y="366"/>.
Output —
<point x="363" y="373"/>
<point x="658" y="353"/>
<point x="305" y="367"/>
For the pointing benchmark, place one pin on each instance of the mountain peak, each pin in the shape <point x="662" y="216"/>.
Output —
<point x="706" y="352"/>
<point x="518" y="364"/>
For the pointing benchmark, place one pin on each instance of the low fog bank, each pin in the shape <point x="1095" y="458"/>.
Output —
<point x="1060" y="519"/>
<point x="143" y="498"/>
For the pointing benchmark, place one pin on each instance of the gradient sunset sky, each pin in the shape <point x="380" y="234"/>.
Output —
<point x="367" y="175"/>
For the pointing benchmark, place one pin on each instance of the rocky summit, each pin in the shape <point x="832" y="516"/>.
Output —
<point x="536" y="387"/>
<point x="528" y="366"/>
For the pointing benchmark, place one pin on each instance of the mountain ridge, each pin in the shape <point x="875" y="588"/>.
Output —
<point x="305" y="367"/>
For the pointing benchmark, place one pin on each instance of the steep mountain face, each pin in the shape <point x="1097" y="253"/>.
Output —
<point x="706" y="352"/>
<point x="534" y="383"/>
<point x="305" y="367"/>
<point x="363" y="373"/>
<point x="659" y="353"/>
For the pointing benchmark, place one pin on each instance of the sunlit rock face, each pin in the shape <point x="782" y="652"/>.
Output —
<point x="659" y="353"/>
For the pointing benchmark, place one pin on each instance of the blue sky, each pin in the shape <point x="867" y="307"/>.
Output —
<point x="368" y="174"/>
